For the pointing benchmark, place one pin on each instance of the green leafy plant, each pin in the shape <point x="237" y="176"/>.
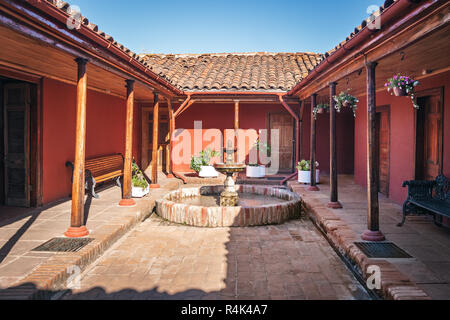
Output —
<point x="344" y="99"/>
<point x="405" y="84"/>
<point x="261" y="146"/>
<point x="203" y="159"/>
<point x="305" y="165"/>
<point x="137" y="178"/>
<point x="253" y="165"/>
<point x="319" y="107"/>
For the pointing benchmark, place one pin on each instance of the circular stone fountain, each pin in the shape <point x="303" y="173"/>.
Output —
<point x="257" y="205"/>
<point x="229" y="205"/>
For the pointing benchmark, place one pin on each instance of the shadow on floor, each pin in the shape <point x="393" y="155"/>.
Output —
<point x="11" y="215"/>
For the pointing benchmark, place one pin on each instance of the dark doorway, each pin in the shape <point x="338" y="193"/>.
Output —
<point x="429" y="135"/>
<point x="383" y="133"/>
<point x="17" y="123"/>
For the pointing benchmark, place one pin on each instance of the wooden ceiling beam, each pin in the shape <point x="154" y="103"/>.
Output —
<point x="382" y="46"/>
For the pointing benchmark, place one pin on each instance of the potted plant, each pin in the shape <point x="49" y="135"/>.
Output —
<point x="402" y="86"/>
<point x="344" y="99"/>
<point x="139" y="185"/>
<point x="256" y="170"/>
<point x="304" y="171"/>
<point x="201" y="164"/>
<point x="320" y="109"/>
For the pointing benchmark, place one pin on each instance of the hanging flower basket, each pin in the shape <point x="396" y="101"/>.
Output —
<point x="344" y="99"/>
<point x="320" y="109"/>
<point x="399" y="92"/>
<point x="402" y="86"/>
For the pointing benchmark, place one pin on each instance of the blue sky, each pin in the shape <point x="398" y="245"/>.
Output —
<point x="199" y="26"/>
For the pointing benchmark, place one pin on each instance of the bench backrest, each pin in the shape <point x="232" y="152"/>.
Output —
<point x="103" y="165"/>
<point x="442" y="188"/>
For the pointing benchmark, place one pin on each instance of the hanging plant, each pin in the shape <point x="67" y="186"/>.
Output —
<point x="344" y="99"/>
<point x="402" y="86"/>
<point x="320" y="108"/>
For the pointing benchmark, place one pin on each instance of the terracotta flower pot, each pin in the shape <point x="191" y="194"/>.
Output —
<point x="399" y="92"/>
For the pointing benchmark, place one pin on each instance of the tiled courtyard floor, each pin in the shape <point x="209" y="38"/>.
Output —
<point x="161" y="260"/>
<point x="420" y="237"/>
<point x="22" y="229"/>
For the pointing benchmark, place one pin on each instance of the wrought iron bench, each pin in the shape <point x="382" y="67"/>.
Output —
<point x="101" y="169"/>
<point x="427" y="197"/>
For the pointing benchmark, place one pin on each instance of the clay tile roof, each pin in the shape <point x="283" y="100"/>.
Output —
<point x="233" y="71"/>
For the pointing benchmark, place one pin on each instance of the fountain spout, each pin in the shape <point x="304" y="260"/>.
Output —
<point x="229" y="197"/>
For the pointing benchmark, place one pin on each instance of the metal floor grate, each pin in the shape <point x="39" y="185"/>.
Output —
<point x="382" y="250"/>
<point x="274" y="178"/>
<point x="63" y="245"/>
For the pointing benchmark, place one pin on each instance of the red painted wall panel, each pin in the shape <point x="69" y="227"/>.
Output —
<point x="402" y="156"/>
<point x="105" y="132"/>
<point x="345" y="136"/>
<point x="221" y="116"/>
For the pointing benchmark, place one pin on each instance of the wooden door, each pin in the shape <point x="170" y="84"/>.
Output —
<point x="429" y="146"/>
<point x="284" y="123"/>
<point x="383" y="148"/>
<point x="17" y="144"/>
<point x="147" y="140"/>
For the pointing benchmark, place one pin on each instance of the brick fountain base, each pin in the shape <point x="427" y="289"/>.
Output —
<point x="200" y="216"/>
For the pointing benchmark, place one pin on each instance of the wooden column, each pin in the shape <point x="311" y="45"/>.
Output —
<point x="77" y="227"/>
<point x="155" y="142"/>
<point x="127" y="172"/>
<point x="334" y="203"/>
<point x="236" y="128"/>
<point x="298" y="131"/>
<point x="312" y="150"/>
<point x="171" y="131"/>
<point x="373" y="233"/>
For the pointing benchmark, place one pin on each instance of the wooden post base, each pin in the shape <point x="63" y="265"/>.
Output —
<point x="369" y="235"/>
<point x="334" y="205"/>
<point x="313" y="188"/>
<point x="155" y="186"/>
<point x="127" y="202"/>
<point x="76" y="232"/>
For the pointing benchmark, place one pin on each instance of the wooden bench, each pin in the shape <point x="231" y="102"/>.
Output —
<point x="101" y="169"/>
<point x="427" y="197"/>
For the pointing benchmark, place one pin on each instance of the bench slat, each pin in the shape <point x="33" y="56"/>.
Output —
<point x="104" y="168"/>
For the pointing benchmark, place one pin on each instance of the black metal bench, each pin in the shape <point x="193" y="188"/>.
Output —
<point x="427" y="197"/>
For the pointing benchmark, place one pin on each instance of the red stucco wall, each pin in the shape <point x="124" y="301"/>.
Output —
<point x="221" y="116"/>
<point x="402" y="154"/>
<point x="344" y="138"/>
<point x="105" y="133"/>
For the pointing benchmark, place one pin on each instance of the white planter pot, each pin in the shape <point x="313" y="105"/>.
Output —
<point x="208" y="172"/>
<point x="305" y="176"/>
<point x="137" y="192"/>
<point x="256" y="171"/>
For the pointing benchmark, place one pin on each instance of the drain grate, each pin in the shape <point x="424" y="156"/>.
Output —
<point x="382" y="250"/>
<point x="63" y="244"/>
<point x="274" y="178"/>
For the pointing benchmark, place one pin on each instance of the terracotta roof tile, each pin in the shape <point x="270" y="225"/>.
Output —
<point x="233" y="71"/>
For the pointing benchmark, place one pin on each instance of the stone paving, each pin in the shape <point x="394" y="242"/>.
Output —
<point x="429" y="244"/>
<point x="162" y="260"/>
<point x="21" y="229"/>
